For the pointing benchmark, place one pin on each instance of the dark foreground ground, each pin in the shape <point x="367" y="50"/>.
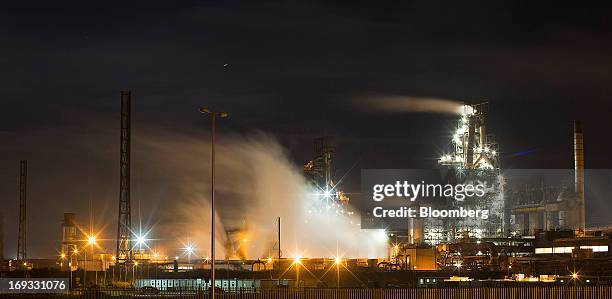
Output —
<point x="592" y="292"/>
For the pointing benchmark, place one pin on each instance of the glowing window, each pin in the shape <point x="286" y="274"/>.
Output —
<point x="563" y="249"/>
<point x="543" y="250"/>
<point x="601" y="248"/>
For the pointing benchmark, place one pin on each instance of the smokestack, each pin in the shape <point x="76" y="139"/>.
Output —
<point x="579" y="172"/>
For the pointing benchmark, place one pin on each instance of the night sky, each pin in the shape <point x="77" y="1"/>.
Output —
<point x="292" y="69"/>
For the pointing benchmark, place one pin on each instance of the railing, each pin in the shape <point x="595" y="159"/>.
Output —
<point x="587" y="292"/>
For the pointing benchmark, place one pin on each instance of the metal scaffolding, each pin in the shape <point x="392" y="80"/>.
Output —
<point x="473" y="159"/>
<point x="124" y="226"/>
<point x="22" y="249"/>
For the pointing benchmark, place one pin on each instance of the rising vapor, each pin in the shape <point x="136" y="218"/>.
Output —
<point x="256" y="183"/>
<point x="407" y="104"/>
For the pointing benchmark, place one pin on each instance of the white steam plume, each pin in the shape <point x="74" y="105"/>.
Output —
<point x="256" y="183"/>
<point x="404" y="104"/>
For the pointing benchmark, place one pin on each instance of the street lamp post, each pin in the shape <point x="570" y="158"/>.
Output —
<point x="85" y="267"/>
<point x="213" y="116"/>
<point x="93" y="259"/>
<point x="337" y="261"/>
<point x="134" y="272"/>
<point x="91" y="240"/>
<point x="103" y="266"/>
<point x="70" y="269"/>
<point x="75" y="251"/>
<point x="297" y="274"/>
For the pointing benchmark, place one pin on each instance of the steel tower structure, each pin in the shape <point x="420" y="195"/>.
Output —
<point x="124" y="226"/>
<point x="474" y="158"/>
<point x="22" y="249"/>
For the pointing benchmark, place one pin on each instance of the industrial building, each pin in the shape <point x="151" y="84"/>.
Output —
<point x="535" y="232"/>
<point x="473" y="158"/>
<point x="320" y="173"/>
<point x="538" y="224"/>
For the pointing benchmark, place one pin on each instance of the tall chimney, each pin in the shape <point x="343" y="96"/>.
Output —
<point x="579" y="173"/>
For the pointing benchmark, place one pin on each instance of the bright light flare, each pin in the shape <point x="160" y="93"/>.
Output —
<point x="141" y="240"/>
<point x="575" y="275"/>
<point x="327" y="193"/>
<point x="189" y="249"/>
<point x="337" y="260"/>
<point x="91" y="240"/>
<point x="467" y="110"/>
<point x="297" y="260"/>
